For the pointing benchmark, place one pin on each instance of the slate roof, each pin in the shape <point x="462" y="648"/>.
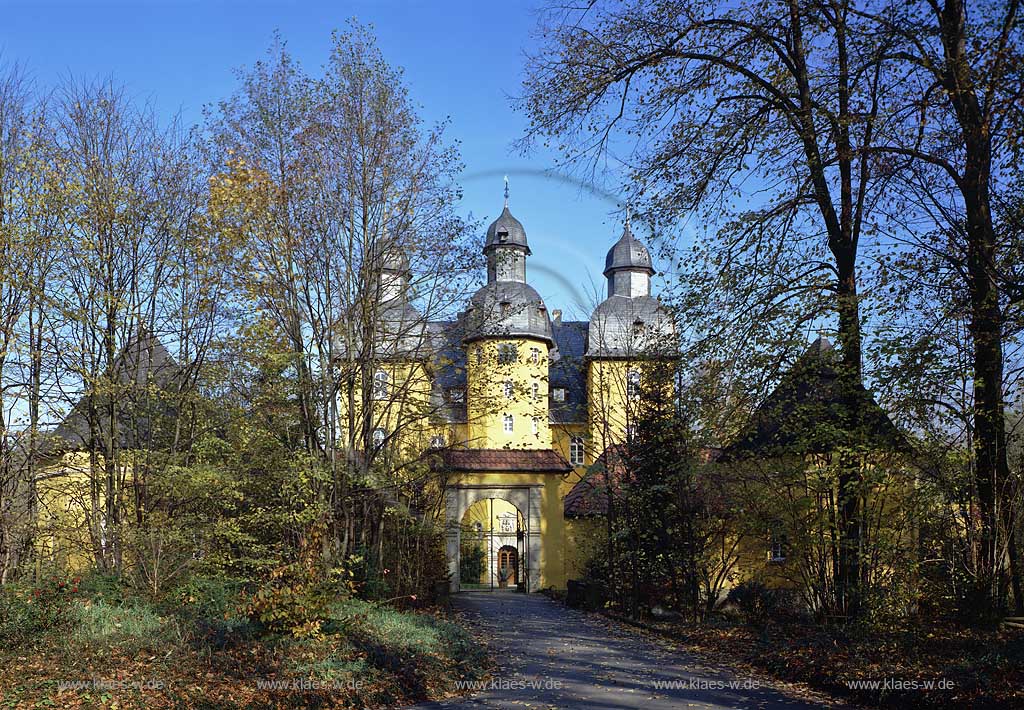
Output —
<point x="540" y="460"/>
<point x="806" y="413"/>
<point x="142" y="362"/>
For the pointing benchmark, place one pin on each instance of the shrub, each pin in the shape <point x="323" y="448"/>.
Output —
<point x="28" y="610"/>
<point x="756" y="602"/>
<point x="205" y="598"/>
<point x="293" y="601"/>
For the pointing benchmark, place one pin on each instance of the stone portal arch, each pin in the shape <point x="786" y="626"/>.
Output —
<point x="525" y="498"/>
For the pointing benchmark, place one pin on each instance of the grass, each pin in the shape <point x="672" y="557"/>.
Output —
<point x="200" y="654"/>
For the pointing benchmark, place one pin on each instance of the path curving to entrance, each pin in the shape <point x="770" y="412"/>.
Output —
<point x="551" y="656"/>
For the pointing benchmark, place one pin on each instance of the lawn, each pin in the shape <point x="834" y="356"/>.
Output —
<point x="105" y="650"/>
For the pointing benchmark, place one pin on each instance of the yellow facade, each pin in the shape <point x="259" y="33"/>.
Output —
<point x="507" y="394"/>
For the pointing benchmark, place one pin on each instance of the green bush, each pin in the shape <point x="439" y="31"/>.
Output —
<point x="205" y="598"/>
<point x="29" y="610"/>
<point x="756" y="602"/>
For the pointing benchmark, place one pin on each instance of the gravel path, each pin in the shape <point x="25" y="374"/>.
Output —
<point x="554" y="657"/>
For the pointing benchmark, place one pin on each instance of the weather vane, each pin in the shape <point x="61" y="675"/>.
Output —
<point x="506" y="190"/>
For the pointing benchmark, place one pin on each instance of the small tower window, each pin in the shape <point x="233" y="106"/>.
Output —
<point x="378" y="437"/>
<point x="479" y="355"/>
<point x="506" y="309"/>
<point x="506" y="353"/>
<point x="380" y="385"/>
<point x="508" y="423"/>
<point x="535" y="355"/>
<point x="536" y="390"/>
<point x="558" y="394"/>
<point x="576" y="451"/>
<point x="632" y="383"/>
<point x="536" y="425"/>
<point x="503" y="236"/>
<point x="509" y="389"/>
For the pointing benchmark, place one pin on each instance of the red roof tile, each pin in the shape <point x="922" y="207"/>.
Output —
<point x="505" y="460"/>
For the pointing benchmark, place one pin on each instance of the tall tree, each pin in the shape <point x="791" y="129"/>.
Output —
<point x="769" y="104"/>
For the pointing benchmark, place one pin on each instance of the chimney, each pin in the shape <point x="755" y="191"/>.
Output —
<point x="556" y="316"/>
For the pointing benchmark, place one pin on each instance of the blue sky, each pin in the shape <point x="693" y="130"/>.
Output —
<point x="462" y="60"/>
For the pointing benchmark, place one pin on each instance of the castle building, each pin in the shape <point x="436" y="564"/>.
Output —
<point x="525" y="402"/>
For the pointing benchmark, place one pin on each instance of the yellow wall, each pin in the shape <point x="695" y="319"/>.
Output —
<point x="608" y="406"/>
<point x="487" y="402"/>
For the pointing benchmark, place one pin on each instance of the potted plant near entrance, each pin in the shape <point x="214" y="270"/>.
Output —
<point x="504" y="574"/>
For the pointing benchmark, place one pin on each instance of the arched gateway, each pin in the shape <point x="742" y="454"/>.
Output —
<point x="527" y="479"/>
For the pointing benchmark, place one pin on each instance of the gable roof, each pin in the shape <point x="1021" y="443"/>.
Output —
<point x="589" y="497"/>
<point x="142" y="362"/>
<point x="808" y="413"/>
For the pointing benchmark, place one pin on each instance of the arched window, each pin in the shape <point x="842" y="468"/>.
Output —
<point x="576" y="451"/>
<point x="509" y="389"/>
<point x="378" y="437"/>
<point x="380" y="384"/>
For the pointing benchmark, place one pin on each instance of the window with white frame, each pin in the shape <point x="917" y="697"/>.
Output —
<point x="777" y="544"/>
<point x="508" y="423"/>
<point x="536" y="425"/>
<point x="558" y="394"/>
<point x="576" y="451"/>
<point x="479" y="355"/>
<point x="506" y="353"/>
<point x="630" y="432"/>
<point x="535" y="355"/>
<point x="378" y="437"/>
<point x="380" y="384"/>
<point x="457" y="395"/>
<point x="509" y="389"/>
<point x="536" y="390"/>
<point x="633" y="383"/>
<point x="437" y="441"/>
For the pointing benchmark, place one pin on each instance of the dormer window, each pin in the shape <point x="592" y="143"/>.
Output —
<point x="638" y="327"/>
<point x="456" y="395"/>
<point x="558" y="394"/>
<point x="506" y="309"/>
<point x="503" y="236"/>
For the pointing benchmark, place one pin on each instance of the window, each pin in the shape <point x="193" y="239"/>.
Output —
<point x="536" y="390"/>
<point x="558" y="394"/>
<point x="630" y="432"/>
<point x="457" y="395"/>
<point x="506" y="353"/>
<point x="638" y="328"/>
<point x="508" y="423"/>
<point x="503" y="236"/>
<point x="380" y="385"/>
<point x="632" y="383"/>
<point x="378" y="437"/>
<point x="509" y="389"/>
<point x="479" y="355"/>
<point x="536" y="426"/>
<point x="776" y="545"/>
<point x="437" y="441"/>
<point x="506" y="309"/>
<point x="576" y="451"/>
<point x="535" y="355"/>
